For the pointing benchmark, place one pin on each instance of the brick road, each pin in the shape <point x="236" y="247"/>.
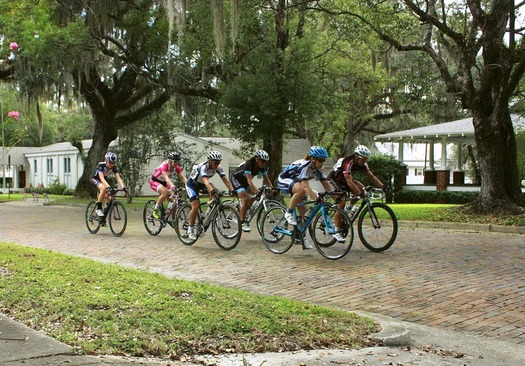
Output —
<point x="461" y="281"/>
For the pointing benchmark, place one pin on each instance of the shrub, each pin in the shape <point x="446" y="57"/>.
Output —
<point x="434" y="197"/>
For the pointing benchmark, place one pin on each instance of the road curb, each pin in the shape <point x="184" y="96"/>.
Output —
<point x="462" y="226"/>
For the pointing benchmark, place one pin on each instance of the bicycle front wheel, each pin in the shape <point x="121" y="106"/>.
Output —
<point x="261" y="211"/>
<point x="182" y="222"/>
<point x="226" y="227"/>
<point x="377" y="227"/>
<point x="118" y="218"/>
<point x="153" y="226"/>
<point x="274" y="229"/>
<point x="92" y="219"/>
<point x="323" y="230"/>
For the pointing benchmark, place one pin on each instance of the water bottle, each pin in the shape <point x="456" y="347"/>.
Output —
<point x="170" y="206"/>
<point x="307" y="215"/>
<point x="352" y="211"/>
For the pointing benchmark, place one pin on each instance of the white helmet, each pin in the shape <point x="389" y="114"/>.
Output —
<point x="214" y="155"/>
<point x="263" y="155"/>
<point x="363" y="151"/>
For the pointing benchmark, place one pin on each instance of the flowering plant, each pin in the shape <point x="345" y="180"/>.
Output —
<point x="13" y="46"/>
<point x="14" y="114"/>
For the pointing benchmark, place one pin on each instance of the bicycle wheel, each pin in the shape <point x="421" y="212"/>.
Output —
<point x="274" y="229"/>
<point x="118" y="218"/>
<point x="153" y="226"/>
<point x="226" y="227"/>
<point x="262" y="211"/>
<point x="92" y="219"/>
<point x="323" y="230"/>
<point x="377" y="227"/>
<point x="182" y="218"/>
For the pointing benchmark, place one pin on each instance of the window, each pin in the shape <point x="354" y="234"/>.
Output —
<point x="49" y="166"/>
<point x="35" y="169"/>
<point x="418" y="172"/>
<point x="67" y="165"/>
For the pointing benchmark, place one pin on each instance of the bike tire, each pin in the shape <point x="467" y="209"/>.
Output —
<point x="153" y="226"/>
<point x="262" y="211"/>
<point x="323" y="228"/>
<point x="377" y="227"/>
<point x="182" y="218"/>
<point x="92" y="219"/>
<point x="117" y="218"/>
<point x="274" y="240"/>
<point x="226" y="227"/>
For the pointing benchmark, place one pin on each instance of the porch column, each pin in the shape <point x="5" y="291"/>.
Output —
<point x="431" y="156"/>
<point x="444" y="153"/>
<point x="458" y="176"/>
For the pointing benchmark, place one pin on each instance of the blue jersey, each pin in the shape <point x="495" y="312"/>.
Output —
<point x="301" y="170"/>
<point x="105" y="170"/>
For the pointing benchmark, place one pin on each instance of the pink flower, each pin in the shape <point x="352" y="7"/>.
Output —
<point x="13" y="46"/>
<point x="13" y="114"/>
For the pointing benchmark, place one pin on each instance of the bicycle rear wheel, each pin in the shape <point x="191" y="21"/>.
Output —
<point x="118" y="218"/>
<point x="92" y="219"/>
<point x="323" y="229"/>
<point x="260" y="214"/>
<point x="153" y="226"/>
<point x="226" y="227"/>
<point x="182" y="219"/>
<point x="275" y="229"/>
<point x="377" y="227"/>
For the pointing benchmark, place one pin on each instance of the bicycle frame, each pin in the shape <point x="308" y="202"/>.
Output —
<point x="260" y="199"/>
<point x="373" y="194"/>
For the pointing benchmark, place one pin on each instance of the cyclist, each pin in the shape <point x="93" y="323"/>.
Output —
<point x="342" y="179"/>
<point x="242" y="181"/>
<point x="161" y="182"/>
<point x="294" y="180"/>
<point x="99" y="179"/>
<point x="200" y="179"/>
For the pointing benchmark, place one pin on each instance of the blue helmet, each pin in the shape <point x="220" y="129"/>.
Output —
<point x="318" y="152"/>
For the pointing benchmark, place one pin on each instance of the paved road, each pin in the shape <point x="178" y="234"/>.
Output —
<point x="460" y="281"/>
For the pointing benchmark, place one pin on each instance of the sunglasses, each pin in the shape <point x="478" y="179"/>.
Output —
<point x="215" y="161"/>
<point x="321" y="160"/>
<point x="264" y="161"/>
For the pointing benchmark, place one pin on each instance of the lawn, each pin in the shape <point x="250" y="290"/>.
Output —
<point x="107" y="309"/>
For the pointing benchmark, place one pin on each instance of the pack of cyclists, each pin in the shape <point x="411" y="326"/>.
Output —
<point x="293" y="180"/>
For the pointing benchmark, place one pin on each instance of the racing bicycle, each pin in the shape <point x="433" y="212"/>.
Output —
<point x="275" y="228"/>
<point x="377" y="224"/>
<point x="262" y="204"/>
<point x="155" y="225"/>
<point x="223" y="217"/>
<point x="114" y="214"/>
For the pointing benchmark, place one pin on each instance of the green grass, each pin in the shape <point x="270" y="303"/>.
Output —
<point x="107" y="309"/>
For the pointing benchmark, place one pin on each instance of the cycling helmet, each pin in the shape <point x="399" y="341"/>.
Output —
<point x="174" y="156"/>
<point x="111" y="157"/>
<point x="263" y="155"/>
<point x="318" y="152"/>
<point x="214" y="155"/>
<point x="363" y="151"/>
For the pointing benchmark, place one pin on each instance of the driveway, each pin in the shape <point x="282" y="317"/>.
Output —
<point x="471" y="282"/>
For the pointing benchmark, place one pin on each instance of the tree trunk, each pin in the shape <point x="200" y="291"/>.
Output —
<point x="102" y="137"/>
<point x="500" y="190"/>
<point x="274" y="146"/>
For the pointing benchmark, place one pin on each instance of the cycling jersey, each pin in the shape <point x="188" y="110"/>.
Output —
<point x="344" y="167"/>
<point x="165" y="167"/>
<point x="238" y="178"/>
<point x="195" y="182"/>
<point x="299" y="171"/>
<point x="104" y="169"/>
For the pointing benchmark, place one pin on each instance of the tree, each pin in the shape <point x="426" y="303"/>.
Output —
<point x="483" y="71"/>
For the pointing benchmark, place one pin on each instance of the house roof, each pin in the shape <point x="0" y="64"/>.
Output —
<point x="460" y="130"/>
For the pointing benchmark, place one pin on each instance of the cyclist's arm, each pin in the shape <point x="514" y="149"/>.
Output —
<point x="249" y="179"/>
<point x="119" y="180"/>
<point x="374" y="179"/>
<point x="167" y="179"/>
<point x="327" y="186"/>
<point x="354" y="185"/>
<point x="182" y="177"/>
<point x="267" y="181"/>
<point x="207" y="183"/>
<point x="227" y="182"/>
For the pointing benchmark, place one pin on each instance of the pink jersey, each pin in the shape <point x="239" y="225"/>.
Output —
<point x="165" y="168"/>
